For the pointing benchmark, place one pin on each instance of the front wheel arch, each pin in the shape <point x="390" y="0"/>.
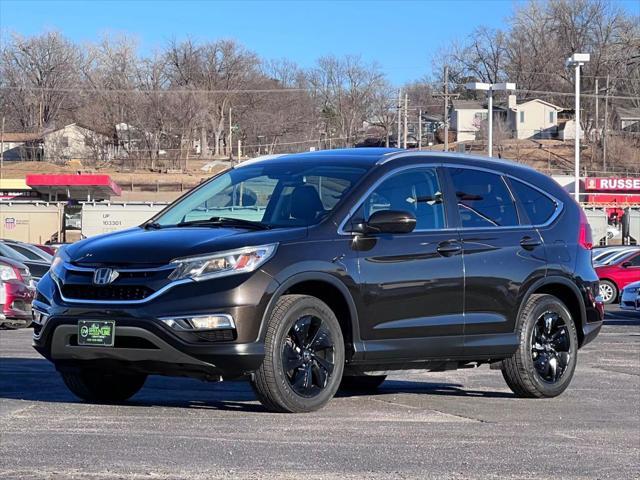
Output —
<point x="302" y="284"/>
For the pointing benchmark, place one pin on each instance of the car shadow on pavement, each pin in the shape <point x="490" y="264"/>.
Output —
<point x="428" y="388"/>
<point x="34" y="379"/>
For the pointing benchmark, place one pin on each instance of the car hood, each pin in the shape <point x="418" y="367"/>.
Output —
<point x="158" y="247"/>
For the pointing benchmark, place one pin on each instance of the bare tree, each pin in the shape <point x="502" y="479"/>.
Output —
<point x="37" y="75"/>
<point x="343" y="89"/>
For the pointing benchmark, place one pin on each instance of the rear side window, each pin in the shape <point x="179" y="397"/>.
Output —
<point x="538" y="206"/>
<point x="483" y="199"/>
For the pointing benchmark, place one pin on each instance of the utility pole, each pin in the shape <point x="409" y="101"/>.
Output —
<point x="399" y="119"/>
<point x="446" y="96"/>
<point x="606" y="124"/>
<point x="406" y="114"/>
<point x="419" y="129"/>
<point x="596" y="100"/>
<point x="2" y="148"/>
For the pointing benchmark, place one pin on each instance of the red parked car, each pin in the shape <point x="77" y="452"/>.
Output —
<point x="17" y="293"/>
<point x="614" y="277"/>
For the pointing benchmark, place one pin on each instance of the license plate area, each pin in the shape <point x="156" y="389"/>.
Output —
<point x="98" y="333"/>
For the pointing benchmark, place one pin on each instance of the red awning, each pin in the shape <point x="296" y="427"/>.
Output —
<point x="79" y="187"/>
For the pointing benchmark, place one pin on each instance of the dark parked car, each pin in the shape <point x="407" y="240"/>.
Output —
<point x="306" y="270"/>
<point x="37" y="264"/>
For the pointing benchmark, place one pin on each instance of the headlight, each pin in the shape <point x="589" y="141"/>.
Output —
<point x="222" y="264"/>
<point x="58" y="260"/>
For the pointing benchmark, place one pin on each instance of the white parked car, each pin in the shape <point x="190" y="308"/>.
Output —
<point x="630" y="297"/>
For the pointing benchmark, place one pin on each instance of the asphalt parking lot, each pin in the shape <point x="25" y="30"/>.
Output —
<point x="462" y="424"/>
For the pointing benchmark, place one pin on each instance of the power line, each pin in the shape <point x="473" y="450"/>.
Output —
<point x="160" y="92"/>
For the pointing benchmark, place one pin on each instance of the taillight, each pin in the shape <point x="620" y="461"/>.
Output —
<point x="585" y="240"/>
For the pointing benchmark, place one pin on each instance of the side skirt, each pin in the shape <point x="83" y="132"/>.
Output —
<point x="434" y="353"/>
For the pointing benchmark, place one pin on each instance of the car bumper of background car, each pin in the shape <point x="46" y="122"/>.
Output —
<point x="17" y="298"/>
<point x="629" y="299"/>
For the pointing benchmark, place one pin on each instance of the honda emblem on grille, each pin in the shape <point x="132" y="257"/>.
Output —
<point x="104" y="276"/>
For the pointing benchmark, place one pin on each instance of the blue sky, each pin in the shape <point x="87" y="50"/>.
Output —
<point x="401" y="36"/>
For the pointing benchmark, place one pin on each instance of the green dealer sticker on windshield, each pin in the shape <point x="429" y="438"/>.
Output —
<point x="96" y="332"/>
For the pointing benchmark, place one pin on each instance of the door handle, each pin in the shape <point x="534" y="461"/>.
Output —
<point x="449" y="248"/>
<point x="529" y="243"/>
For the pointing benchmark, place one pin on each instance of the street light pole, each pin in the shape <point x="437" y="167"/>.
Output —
<point x="577" y="60"/>
<point x="490" y="88"/>
<point x="490" y="121"/>
<point x="577" y="149"/>
<point x="420" y="130"/>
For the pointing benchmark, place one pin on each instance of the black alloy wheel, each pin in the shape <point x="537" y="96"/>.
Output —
<point x="304" y="356"/>
<point x="308" y="356"/>
<point x="550" y="347"/>
<point x="545" y="361"/>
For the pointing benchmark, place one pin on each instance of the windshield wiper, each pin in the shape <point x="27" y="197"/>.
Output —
<point x="225" y="222"/>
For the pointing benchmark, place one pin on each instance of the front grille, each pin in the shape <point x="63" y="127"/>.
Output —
<point x="107" y="292"/>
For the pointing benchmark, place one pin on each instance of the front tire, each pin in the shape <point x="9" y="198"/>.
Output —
<point x="97" y="386"/>
<point x="304" y="356"/>
<point x="544" y="363"/>
<point x="608" y="291"/>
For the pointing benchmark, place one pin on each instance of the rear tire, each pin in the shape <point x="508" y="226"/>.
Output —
<point x="544" y="363"/>
<point x="608" y="291"/>
<point x="304" y="356"/>
<point x="362" y="383"/>
<point x="97" y="386"/>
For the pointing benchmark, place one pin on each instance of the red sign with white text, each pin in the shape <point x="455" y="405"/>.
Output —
<point x="620" y="184"/>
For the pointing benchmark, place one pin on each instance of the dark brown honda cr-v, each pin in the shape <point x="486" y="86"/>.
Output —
<point x="308" y="271"/>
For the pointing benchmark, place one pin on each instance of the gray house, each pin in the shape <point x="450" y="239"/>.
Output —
<point x="627" y="119"/>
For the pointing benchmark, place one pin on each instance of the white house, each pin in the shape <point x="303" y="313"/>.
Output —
<point x="21" y="146"/>
<point x="75" y="142"/>
<point x="466" y="119"/>
<point x="533" y="118"/>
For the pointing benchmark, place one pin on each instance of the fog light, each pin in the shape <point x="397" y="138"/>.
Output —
<point x="200" y="322"/>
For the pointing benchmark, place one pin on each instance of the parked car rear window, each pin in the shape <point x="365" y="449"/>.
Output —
<point x="538" y="206"/>
<point x="416" y="191"/>
<point x="483" y="199"/>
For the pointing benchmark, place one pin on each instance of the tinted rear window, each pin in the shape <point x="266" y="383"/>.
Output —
<point x="537" y="205"/>
<point x="483" y="199"/>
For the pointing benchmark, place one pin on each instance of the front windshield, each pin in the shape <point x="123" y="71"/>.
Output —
<point x="271" y="194"/>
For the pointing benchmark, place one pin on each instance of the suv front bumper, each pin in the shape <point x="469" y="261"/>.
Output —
<point x="146" y="347"/>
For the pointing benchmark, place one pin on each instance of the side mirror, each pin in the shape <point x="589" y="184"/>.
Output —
<point x="388" y="221"/>
<point x="625" y="264"/>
